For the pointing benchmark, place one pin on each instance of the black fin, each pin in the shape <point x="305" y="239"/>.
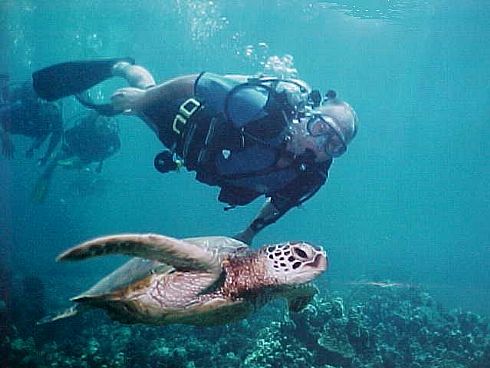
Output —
<point x="66" y="79"/>
<point x="40" y="191"/>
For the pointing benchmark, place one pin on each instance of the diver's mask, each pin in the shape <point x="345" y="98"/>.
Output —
<point x="327" y="133"/>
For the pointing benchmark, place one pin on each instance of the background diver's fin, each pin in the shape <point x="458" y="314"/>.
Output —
<point x="40" y="190"/>
<point x="66" y="79"/>
<point x="70" y="312"/>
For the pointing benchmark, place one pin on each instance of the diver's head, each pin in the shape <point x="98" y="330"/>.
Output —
<point x="326" y="130"/>
<point x="105" y="125"/>
<point x="335" y="124"/>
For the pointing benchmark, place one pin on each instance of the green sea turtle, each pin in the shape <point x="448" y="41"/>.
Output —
<point x="198" y="281"/>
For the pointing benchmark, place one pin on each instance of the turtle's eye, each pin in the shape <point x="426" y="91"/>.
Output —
<point x="300" y="253"/>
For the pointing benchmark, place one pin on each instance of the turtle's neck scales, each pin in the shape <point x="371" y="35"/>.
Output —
<point x="245" y="275"/>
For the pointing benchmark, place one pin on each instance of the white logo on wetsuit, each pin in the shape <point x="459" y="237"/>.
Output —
<point x="226" y="153"/>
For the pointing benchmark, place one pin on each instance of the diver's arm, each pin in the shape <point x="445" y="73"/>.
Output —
<point x="267" y="215"/>
<point x="292" y="195"/>
<point x="271" y="211"/>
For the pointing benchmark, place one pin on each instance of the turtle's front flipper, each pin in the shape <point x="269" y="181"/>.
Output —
<point x="182" y="255"/>
<point x="304" y="296"/>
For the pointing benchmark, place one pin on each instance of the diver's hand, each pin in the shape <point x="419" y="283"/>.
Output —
<point x="7" y="148"/>
<point x="125" y="99"/>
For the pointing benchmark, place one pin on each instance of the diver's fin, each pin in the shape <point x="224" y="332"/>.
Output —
<point x="67" y="313"/>
<point x="40" y="190"/>
<point x="66" y="79"/>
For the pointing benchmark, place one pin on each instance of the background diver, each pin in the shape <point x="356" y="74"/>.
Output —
<point x="22" y="112"/>
<point x="93" y="140"/>
<point x="250" y="136"/>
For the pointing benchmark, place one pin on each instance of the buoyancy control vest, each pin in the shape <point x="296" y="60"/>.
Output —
<point x="233" y="132"/>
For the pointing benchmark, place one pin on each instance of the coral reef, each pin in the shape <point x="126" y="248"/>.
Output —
<point x="366" y="326"/>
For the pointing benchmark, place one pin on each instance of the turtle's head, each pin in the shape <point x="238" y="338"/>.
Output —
<point x="294" y="262"/>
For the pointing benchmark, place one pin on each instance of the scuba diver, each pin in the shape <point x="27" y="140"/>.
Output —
<point x="93" y="140"/>
<point x="250" y="136"/>
<point x="23" y="112"/>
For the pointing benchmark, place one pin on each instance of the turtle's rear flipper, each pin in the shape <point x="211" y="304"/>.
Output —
<point x="66" y="79"/>
<point x="67" y="313"/>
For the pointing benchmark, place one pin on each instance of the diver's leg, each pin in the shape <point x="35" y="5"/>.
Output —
<point x="66" y="79"/>
<point x="140" y="79"/>
<point x="174" y="89"/>
<point x="147" y="101"/>
<point x="135" y="75"/>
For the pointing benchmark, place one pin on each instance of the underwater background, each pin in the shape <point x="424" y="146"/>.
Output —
<point x="408" y="204"/>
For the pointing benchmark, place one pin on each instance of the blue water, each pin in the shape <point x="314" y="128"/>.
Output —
<point x="409" y="202"/>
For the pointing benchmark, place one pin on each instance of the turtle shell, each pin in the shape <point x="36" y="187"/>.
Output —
<point x="156" y="254"/>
